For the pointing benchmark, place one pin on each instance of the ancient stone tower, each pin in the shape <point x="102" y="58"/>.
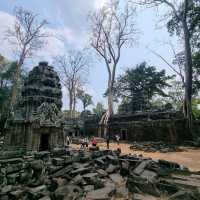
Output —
<point x="36" y="124"/>
<point x="42" y="85"/>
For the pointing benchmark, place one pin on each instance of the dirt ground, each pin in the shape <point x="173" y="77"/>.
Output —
<point x="189" y="157"/>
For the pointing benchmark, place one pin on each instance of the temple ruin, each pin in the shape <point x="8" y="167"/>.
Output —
<point x="36" y="123"/>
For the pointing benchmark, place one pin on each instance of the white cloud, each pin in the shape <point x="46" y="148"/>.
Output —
<point x="7" y="21"/>
<point x="99" y="3"/>
<point x="54" y="45"/>
<point x="69" y="36"/>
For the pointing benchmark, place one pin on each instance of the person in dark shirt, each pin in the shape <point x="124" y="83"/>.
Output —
<point x="108" y="142"/>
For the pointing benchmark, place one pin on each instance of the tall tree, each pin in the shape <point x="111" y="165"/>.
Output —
<point x="27" y="36"/>
<point x="73" y="69"/>
<point x="193" y="20"/>
<point x="138" y="85"/>
<point x="180" y="11"/>
<point x="112" y="28"/>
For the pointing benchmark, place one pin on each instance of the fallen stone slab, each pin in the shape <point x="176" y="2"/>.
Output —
<point x="17" y="194"/>
<point x="88" y="188"/>
<point x="58" y="161"/>
<point x="67" y="159"/>
<point x="101" y="194"/>
<point x="169" y="165"/>
<point x="58" y="152"/>
<point x="62" y="172"/>
<point x="184" y="195"/>
<point x="6" y="189"/>
<point x="144" y="197"/>
<point x="37" y="164"/>
<point x="102" y="173"/>
<point x="45" y="198"/>
<point x="13" y="178"/>
<point x="117" y="179"/>
<point x="68" y="192"/>
<point x="140" y="168"/>
<point x="112" y="168"/>
<point x="77" y="180"/>
<point x="82" y="170"/>
<point x="90" y="175"/>
<point x="11" y="161"/>
<point x="42" y="155"/>
<point x="149" y="175"/>
<point x="40" y="188"/>
<point x="14" y="168"/>
<point x="11" y="154"/>
<point x="136" y="184"/>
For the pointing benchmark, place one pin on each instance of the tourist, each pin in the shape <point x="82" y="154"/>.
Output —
<point x="117" y="139"/>
<point x="86" y="142"/>
<point x="82" y="143"/>
<point x="67" y="140"/>
<point x="94" y="142"/>
<point x="108" y="142"/>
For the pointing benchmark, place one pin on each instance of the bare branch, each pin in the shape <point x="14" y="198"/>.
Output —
<point x="28" y="36"/>
<point x="73" y="71"/>
<point x="112" y="28"/>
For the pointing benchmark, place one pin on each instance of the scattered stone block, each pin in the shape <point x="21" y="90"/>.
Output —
<point x="58" y="161"/>
<point x="101" y="194"/>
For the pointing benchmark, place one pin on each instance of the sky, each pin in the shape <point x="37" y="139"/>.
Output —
<point x="68" y="19"/>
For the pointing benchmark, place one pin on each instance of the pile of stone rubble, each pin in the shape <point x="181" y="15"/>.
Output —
<point x="154" y="147"/>
<point x="93" y="175"/>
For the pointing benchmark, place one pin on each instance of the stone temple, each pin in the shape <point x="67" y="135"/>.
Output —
<point x="36" y="124"/>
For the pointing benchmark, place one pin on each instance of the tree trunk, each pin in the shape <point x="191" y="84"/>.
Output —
<point x="15" y="85"/>
<point x="110" y="108"/>
<point x="188" y="75"/>
<point x="74" y="103"/>
<point x="110" y="97"/>
<point x="70" y="103"/>
<point x="16" y="79"/>
<point x="14" y="89"/>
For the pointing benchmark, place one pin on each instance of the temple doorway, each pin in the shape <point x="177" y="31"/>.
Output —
<point x="124" y="134"/>
<point x="44" y="142"/>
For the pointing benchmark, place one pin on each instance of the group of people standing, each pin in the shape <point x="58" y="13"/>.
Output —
<point x="85" y="141"/>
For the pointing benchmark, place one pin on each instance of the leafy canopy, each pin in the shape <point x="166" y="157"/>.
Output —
<point x="138" y="85"/>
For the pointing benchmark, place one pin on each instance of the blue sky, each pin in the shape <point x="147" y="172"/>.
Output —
<point x="69" y="19"/>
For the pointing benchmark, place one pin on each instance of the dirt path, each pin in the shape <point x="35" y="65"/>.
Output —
<point x="189" y="157"/>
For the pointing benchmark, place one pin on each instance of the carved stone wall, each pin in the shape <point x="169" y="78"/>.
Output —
<point x="159" y="126"/>
<point x="37" y="122"/>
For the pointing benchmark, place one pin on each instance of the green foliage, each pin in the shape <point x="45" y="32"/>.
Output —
<point x="6" y="80"/>
<point x="176" y="95"/>
<point x="7" y="74"/>
<point x="196" y="72"/>
<point x="138" y="86"/>
<point x="99" y="110"/>
<point x="196" y="108"/>
<point x="174" y="25"/>
<point x="85" y="98"/>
